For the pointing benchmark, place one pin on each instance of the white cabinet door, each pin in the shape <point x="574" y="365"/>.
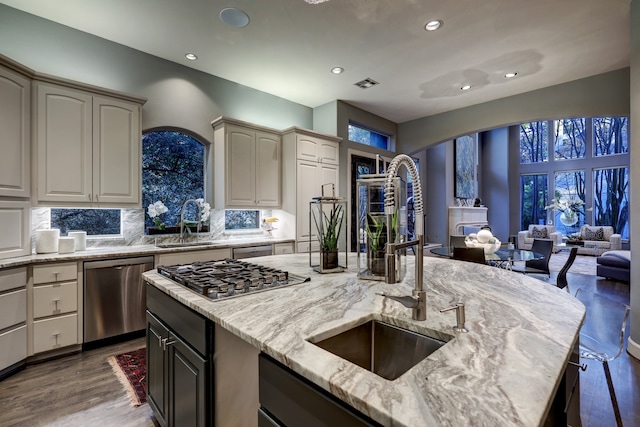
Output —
<point x="252" y="161"/>
<point x="308" y="187"/>
<point x="55" y="332"/>
<point x="329" y="152"/>
<point x="56" y="298"/>
<point x="15" y="229"/>
<point x="89" y="148"/>
<point x="116" y="151"/>
<point x="64" y="144"/>
<point x="268" y="170"/>
<point x="15" y="103"/>
<point x="311" y="177"/>
<point x="240" y="178"/>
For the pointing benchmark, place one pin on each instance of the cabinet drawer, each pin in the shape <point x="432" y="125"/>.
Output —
<point x="13" y="308"/>
<point x="54" y="273"/>
<point x="13" y="278"/>
<point x="55" y="299"/>
<point x="54" y="333"/>
<point x="282" y="248"/>
<point x="304" y="246"/>
<point x="13" y="346"/>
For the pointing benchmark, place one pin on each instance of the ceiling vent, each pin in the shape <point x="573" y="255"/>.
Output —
<point x="366" y="83"/>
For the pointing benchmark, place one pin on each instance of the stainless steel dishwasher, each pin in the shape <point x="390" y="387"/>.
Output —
<point x="114" y="297"/>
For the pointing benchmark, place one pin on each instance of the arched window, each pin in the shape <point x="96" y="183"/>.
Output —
<point x="173" y="171"/>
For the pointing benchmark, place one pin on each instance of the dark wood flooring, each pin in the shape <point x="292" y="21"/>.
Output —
<point x="81" y="390"/>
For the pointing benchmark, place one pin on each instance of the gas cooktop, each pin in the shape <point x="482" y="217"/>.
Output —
<point x="228" y="278"/>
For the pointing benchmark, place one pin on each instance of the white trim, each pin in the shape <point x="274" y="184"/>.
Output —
<point x="633" y="348"/>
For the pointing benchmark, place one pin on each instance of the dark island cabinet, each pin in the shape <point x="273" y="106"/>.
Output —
<point x="289" y="400"/>
<point x="179" y="363"/>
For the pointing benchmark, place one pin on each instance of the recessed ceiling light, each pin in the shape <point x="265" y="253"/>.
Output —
<point x="234" y="17"/>
<point x="510" y="75"/>
<point x="191" y="56"/>
<point x="465" y="87"/>
<point x="433" y="25"/>
<point x="337" y="70"/>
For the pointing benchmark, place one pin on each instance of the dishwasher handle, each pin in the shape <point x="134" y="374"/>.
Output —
<point x="118" y="262"/>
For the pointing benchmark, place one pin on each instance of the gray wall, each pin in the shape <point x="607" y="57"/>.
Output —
<point x="634" y="340"/>
<point x="494" y="187"/>
<point x="604" y="94"/>
<point x="177" y="95"/>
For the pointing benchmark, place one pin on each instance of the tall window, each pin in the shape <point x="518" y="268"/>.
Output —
<point x="570" y="139"/>
<point x="583" y="168"/>
<point x="534" y="192"/>
<point x="611" y="135"/>
<point x="368" y="137"/>
<point x="611" y="199"/>
<point x="570" y="186"/>
<point x="172" y="172"/>
<point x="534" y="142"/>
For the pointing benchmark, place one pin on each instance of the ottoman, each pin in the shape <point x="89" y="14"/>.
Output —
<point x="614" y="265"/>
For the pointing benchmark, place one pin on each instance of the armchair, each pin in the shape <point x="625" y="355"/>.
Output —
<point x="598" y="239"/>
<point x="525" y="237"/>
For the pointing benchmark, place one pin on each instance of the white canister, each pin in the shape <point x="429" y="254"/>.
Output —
<point x="47" y="241"/>
<point x="81" y="239"/>
<point x="66" y="245"/>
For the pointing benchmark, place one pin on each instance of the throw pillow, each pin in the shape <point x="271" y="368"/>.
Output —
<point x="597" y="234"/>
<point x="539" y="233"/>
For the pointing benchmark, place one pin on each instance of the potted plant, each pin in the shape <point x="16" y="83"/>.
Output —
<point x="329" y="235"/>
<point x="377" y="239"/>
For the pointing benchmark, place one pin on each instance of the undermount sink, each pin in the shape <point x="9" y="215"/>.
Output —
<point x="385" y="350"/>
<point x="182" y="245"/>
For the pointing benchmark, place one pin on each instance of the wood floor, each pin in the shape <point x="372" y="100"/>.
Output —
<point x="81" y="390"/>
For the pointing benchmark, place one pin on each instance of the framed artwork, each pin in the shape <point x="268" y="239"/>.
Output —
<point x="464" y="159"/>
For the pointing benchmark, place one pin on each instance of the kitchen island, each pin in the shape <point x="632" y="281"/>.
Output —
<point x="505" y="371"/>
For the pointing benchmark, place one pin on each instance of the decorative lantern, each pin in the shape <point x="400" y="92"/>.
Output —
<point x="376" y="228"/>
<point x="328" y="224"/>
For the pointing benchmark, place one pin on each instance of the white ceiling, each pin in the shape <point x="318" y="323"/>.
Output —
<point x="289" y="46"/>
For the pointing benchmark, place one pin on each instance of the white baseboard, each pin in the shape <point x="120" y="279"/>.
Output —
<point x="633" y="348"/>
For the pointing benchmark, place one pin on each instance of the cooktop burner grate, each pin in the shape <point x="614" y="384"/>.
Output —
<point x="228" y="278"/>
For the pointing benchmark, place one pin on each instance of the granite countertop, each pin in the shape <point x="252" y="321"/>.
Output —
<point x="504" y="371"/>
<point x="102" y="252"/>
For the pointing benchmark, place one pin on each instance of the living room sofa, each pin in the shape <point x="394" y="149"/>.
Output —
<point x="598" y="239"/>
<point x="525" y="237"/>
<point x="614" y="265"/>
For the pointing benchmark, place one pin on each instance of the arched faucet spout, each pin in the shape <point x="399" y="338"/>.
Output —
<point x="391" y="273"/>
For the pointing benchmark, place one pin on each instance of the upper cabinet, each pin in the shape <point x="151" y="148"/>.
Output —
<point x="88" y="147"/>
<point x="14" y="138"/>
<point x="247" y="165"/>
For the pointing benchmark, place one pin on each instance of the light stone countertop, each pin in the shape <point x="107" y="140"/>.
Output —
<point x="103" y="252"/>
<point x="503" y="372"/>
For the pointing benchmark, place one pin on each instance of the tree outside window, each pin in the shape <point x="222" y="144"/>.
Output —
<point x="570" y="139"/>
<point x="611" y="199"/>
<point x="534" y="192"/>
<point x="172" y="172"/>
<point x="534" y="142"/>
<point x="611" y="135"/>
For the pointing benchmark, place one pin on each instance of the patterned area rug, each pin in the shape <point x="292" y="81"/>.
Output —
<point x="131" y="370"/>
<point x="584" y="264"/>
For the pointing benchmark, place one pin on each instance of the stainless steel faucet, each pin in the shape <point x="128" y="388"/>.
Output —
<point x="418" y="299"/>
<point x="199" y="215"/>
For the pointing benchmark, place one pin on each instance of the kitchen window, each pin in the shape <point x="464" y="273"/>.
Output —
<point x="173" y="171"/>
<point x="368" y="137"/>
<point x="241" y="219"/>
<point x="96" y="222"/>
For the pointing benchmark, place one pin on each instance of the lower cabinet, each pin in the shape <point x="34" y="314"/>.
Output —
<point x="289" y="400"/>
<point x="179" y="363"/>
<point x="13" y="317"/>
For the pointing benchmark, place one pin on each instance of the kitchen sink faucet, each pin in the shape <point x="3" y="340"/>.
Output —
<point x="199" y="215"/>
<point x="418" y="300"/>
